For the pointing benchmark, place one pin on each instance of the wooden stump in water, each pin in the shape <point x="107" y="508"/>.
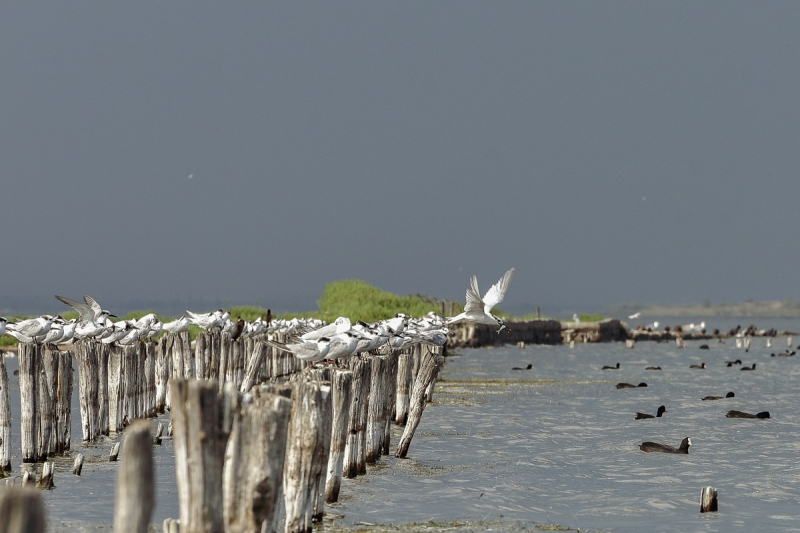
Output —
<point x="431" y="362"/>
<point x="63" y="439"/>
<point x="630" y="343"/>
<point x="254" y="462"/>
<point x="103" y="353"/>
<point x="404" y="367"/>
<point x="22" y="510"/>
<point x="303" y="470"/>
<point x="46" y="479"/>
<point x="322" y="451"/>
<point x="150" y="353"/>
<point x="354" y="454"/>
<point x="376" y="410"/>
<point x="135" y="481"/>
<point x="29" y="369"/>
<point x="199" y="454"/>
<point x="708" y="500"/>
<point x="5" y="419"/>
<point x="163" y="362"/>
<point x="48" y="386"/>
<point x="679" y="342"/>
<point x="114" y="452"/>
<point x="89" y="383"/>
<point x="341" y="385"/>
<point x="78" y="465"/>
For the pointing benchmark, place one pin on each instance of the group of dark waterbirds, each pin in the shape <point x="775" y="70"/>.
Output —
<point x="683" y="447"/>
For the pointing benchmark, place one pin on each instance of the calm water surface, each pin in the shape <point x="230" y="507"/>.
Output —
<point x="557" y="444"/>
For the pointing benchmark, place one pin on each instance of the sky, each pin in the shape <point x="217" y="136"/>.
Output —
<point x="162" y="155"/>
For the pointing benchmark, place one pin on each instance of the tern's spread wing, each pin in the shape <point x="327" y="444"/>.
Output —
<point x="474" y="302"/>
<point x="86" y="313"/>
<point x="93" y="304"/>
<point x="495" y="295"/>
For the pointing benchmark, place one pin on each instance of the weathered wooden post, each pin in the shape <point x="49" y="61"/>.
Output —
<point x="64" y="403"/>
<point x="322" y="451"/>
<point x="254" y="462"/>
<point x="376" y="410"/>
<point x="135" y="498"/>
<point x="163" y="363"/>
<point x="390" y="385"/>
<point x="429" y="368"/>
<point x="303" y="469"/>
<point x="5" y="419"/>
<point x="112" y="456"/>
<point x="46" y="479"/>
<point x="150" y="354"/>
<point x="404" y="367"/>
<point x="48" y="386"/>
<point x="254" y="363"/>
<point x="679" y="342"/>
<point x="116" y="386"/>
<point x="354" y="454"/>
<point x="708" y="500"/>
<point x="22" y="510"/>
<point x="341" y="385"/>
<point x="78" y="465"/>
<point x="89" y="384"/>
<point x="199" y="454"/>
<point x="29" y="369"/>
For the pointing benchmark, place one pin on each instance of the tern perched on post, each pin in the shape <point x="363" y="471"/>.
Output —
<point x="480" y="310"/>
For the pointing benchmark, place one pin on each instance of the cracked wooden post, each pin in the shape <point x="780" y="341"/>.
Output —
<point x="88" y="381"/>
<point x="199" y="454"/>
<point x="322" y="451"/>
<point x="254" y="363"/>
<point x="63" y="435"/>
<point x="303" y="469"/>
<point x="357" y="419"/>
<point x="390" y="384"/>
<point x="115" y="389"/>
<point x="135" y="496"/>
<point x="405" y="364"/>
<point x="376" y="410"/>
<point x="5" y="419"/>
<point x="341" y="385"/>
<point x="22" y="510"/>
<point x="48" y="383"/>
<point x="163" y="363"/>
<point x="254" y="462"/>
<point x="429" y="368"/>
<point x="29" y="368"/>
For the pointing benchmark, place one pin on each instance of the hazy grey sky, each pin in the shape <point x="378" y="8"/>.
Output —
<point x="610" y="151"/>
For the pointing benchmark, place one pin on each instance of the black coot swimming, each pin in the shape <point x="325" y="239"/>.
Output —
<point x="701" y="365"/>
<point x="740" y="414"/>
<point x="630" y="385"/>
<point x="611" y="367"/>
<point x="656" y="447"/>
<point x="661" y="411"/>
<point x="749" y="367"/>
<point x="526" y="368"/>
<point x="729" y="395"/>
<point x="731" y="363"/>
<point x="653" y="368"/>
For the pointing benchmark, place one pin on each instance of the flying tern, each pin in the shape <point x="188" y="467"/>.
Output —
<point x="479" y="310"/>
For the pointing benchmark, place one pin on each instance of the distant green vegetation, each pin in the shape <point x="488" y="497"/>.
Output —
<point x="359" y="300"/>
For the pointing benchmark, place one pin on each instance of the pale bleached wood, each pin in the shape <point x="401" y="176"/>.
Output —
<point x="199" y="444"/>
<point x="254" y="463"/>
<point x="322" y="451"/>
<point x="376" y="408"/>
<point x="115" y="389"/>
<point x="429" y="368"/>
<point x="354" y="451"/>
<point x="150" y="380"/>
<point x="5" y="419"/>
<point x="163" y="362"/>
<point x="225" y="348"/>
<point x="78" y="464"/>
<point x="341" y="385"/>
<point x="45" y="481"/>
<point x="114" y="452"/>
<point x="48" y="380"/>
<point x="103" y="352"/>
<point x="135" y="495"/>
<point x="405" y="366"/>
<point x="708" y="500"/>
<point x="29" y="356"/>
<point x="22" y="510"/>
<point x="201" y="355"/>
<point x="298" y="473"/>
<point x="254" y="364"/>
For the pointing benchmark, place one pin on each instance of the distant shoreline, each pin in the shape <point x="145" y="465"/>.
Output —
<point x="761" y="309"/>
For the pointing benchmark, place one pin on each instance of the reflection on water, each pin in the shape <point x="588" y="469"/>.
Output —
<point x="557" y="444"/>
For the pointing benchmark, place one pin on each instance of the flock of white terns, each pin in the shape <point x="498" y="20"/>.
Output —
<point x="308" y="339"/>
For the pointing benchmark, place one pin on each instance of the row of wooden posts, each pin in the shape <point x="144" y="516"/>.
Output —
<point x="238" y="445"/>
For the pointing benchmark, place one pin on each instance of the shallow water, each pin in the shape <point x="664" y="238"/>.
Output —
<point x="557" y="444"/>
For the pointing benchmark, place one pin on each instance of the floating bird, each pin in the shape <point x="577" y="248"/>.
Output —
<point x="606" y="367"/>
<point x="630" y="385"/>
<point x="740" y="414"/>
<point x="701" y="365"/>
<point x="749" y="367"/>
<point x="731" y="363"/>
<point x="729" y="395"/>
<point x="656" y="447"/>
<point x="479" y="310"/>
<point x="705" y="347"/>
<point x="661" y="411"/>
<point x="526" y="368"/>
<point x="653" y="368"/>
